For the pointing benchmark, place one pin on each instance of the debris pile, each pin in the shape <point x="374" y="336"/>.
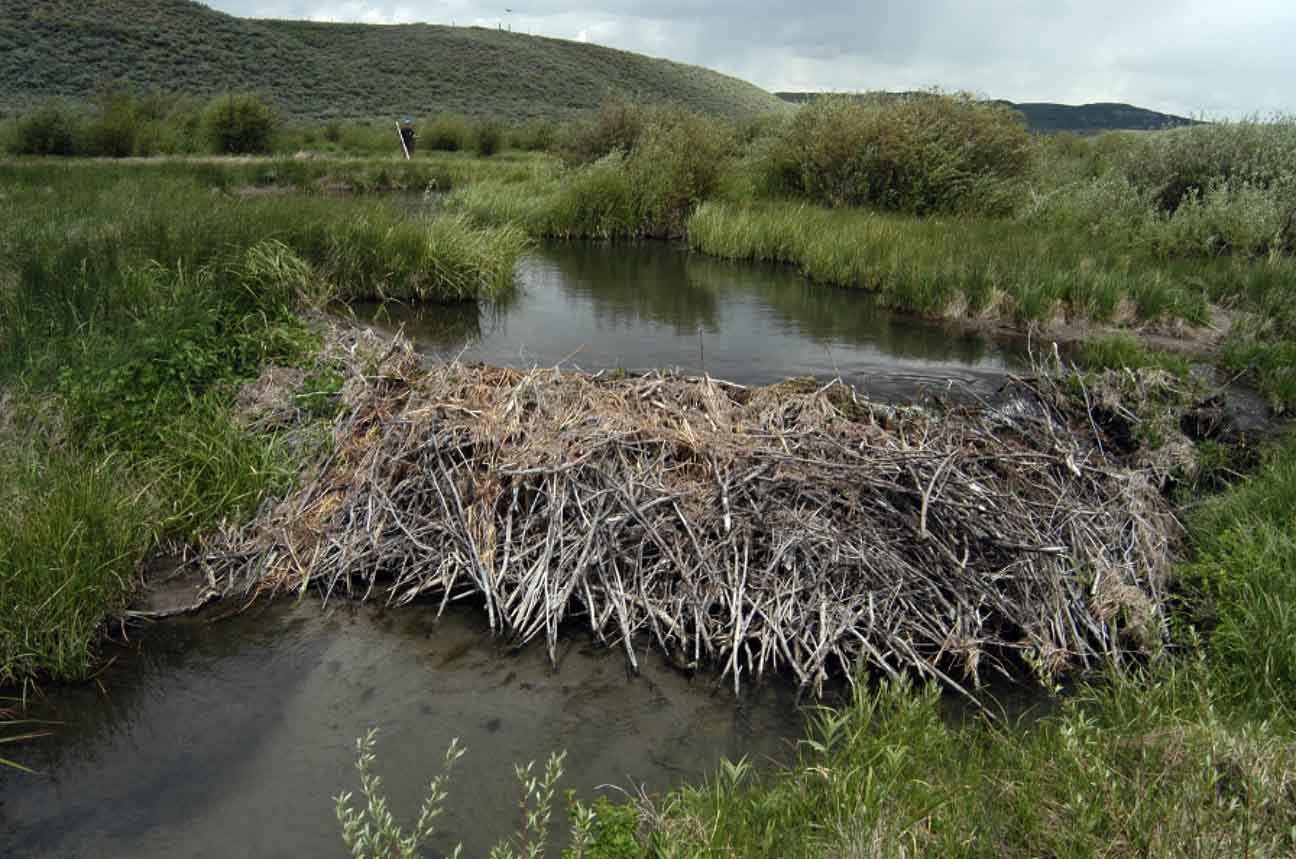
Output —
<point x="795" y="527"/>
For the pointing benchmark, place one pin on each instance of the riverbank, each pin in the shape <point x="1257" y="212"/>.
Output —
<point x="133" y="300"/>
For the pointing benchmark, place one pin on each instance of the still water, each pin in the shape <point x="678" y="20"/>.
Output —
<point x="231" y="738"/>
<point x="616" y="306"/>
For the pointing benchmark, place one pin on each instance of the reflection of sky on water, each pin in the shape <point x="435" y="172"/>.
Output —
<point x="605" y="306"/>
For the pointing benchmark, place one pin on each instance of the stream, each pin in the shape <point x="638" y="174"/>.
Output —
<point x="230" y="738"/>
<point x="595" y="306"/>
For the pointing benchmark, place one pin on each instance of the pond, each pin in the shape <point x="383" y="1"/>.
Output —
<point x="599" y="306"/>
<point x="231" y="738"/>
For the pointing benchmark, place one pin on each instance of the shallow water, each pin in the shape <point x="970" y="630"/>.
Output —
<point x="230" y="739"/>
<point x="637" y="306"/>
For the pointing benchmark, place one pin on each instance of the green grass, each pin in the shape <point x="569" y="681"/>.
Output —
<point x="133" y="301"/>
<point x="318" y="70"/>
<point x="1116" y="351"/>
<point x="954" y="267"/>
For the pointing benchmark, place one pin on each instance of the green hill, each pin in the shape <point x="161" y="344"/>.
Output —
<point x="64" y="47"/>
<point x="1048" y="117"/>
<point x="1090" y="118"/>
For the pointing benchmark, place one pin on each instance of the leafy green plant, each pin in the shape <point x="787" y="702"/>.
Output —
<point x="371" y="831"/>
<point x="488" y="137"/>
<point x="602" y="830"/>
<point x="240" y="123"/>
<point x="536" y="807"/>
<point x="48" y="130"/>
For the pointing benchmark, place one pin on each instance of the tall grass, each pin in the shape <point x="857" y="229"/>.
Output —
<point x="133" y="301"/>
<point x="958" y="267"/>
<point x="1241" y="587"/>
<point x="1121" y="771"/>
<point x="69" y="543"/>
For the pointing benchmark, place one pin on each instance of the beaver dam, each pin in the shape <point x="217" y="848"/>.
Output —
<point x="791" y="528"/>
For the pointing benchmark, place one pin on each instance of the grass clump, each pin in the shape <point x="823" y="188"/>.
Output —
<point x="69" y="542"/>
<point x="1116" y="351"/>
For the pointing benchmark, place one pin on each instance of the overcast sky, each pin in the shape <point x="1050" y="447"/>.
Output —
<point x="1194" y="57"/>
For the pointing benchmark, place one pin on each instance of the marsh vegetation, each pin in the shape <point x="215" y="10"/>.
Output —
<point x="136" y="300"/>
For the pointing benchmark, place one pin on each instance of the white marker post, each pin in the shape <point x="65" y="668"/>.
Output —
<point x="401" y="135"/>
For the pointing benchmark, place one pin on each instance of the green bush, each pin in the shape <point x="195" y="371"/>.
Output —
<point x="488" y="138"/>
<point x="240" y="123"/>
<point x="115" y="128"/>
<point x="50" y="129"/>
<point x="925" y="154"/>
<point x="614" y="128"/>
<point x="676" y="163"/>
<point x="446" y="133"/>
<point x="534" y="135"/>
<point x="1174" y="165"/>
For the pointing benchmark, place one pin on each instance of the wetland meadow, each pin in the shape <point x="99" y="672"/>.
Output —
<point x="622" y="391"/>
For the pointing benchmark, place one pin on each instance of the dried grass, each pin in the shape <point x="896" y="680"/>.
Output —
<point x="790" y="527"/>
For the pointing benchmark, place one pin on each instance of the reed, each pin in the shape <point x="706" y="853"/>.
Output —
<point x="956" y="267"/>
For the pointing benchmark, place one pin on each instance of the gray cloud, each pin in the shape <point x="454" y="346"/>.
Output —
<point x="1182" y="56"/>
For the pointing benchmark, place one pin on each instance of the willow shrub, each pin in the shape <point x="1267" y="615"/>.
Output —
<point x="240" y="123"/>
<point x="446" y="133"/>
<point x="615" y="127"/>
<point x="1177" y="165"/>
<point x="925" y="154"/>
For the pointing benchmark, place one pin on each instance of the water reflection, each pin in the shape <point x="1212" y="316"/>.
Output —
<point x="230" y="739"/>
<point x="604" y="306"/>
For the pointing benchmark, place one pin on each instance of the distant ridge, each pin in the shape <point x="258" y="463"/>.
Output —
<point x="62" y="48"/>
<point x="1048" y="117"/>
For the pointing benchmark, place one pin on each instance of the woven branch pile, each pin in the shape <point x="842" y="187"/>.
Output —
<point x="792" y="528"/>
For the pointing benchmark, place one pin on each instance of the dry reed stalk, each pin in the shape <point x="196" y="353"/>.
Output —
<point x="785" y="528"/>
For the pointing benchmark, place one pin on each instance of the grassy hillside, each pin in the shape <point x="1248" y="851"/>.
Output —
<point x="63" y="47"/>
<point x="1050" y="117"/>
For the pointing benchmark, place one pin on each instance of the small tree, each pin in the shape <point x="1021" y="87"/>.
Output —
<point x="488" y="138"/>
<point x="116" y="125"/>
<point x="48" y="130"/>
<point x="240" y="123"/>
